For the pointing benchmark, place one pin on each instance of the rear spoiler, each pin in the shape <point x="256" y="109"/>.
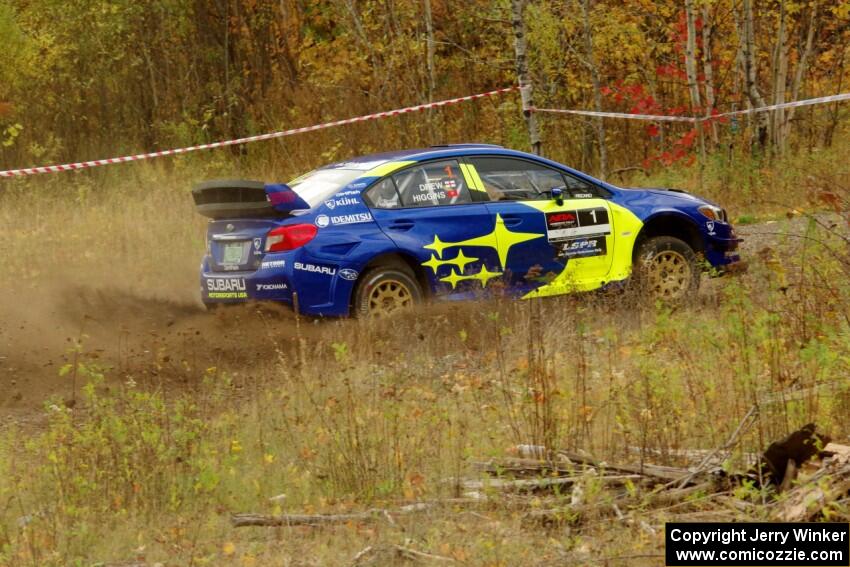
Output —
<point x="239" y="198"/>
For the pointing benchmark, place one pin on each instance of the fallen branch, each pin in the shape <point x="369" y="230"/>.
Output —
<point x="542" y="483"/>
<point x="807" y="501"/>
<point x="249" y="519"/>
<point x="401" y="552"/>
<point x="655" y="471"/>
<point x="742" y="426"/>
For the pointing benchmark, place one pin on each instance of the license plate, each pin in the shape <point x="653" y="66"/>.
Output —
<point x="233" y="253"/>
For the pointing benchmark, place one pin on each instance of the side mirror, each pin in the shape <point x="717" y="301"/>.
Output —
<point x="558" y="195"/>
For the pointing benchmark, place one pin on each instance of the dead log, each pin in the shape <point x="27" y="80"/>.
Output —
<point x="660" y="498"/>
<point x="545" y="483"/>
<point x="661" y="473"/>
<point x="249" y="519"/>
<point x="807" y="501"/>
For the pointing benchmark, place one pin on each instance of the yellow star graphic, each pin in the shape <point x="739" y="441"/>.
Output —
<point x="460" y="261"/>
<point x="483" y="276"/>
<point x="438" y="246"/>
<point x="453" y="278"/>
<point x="500" y="239"/>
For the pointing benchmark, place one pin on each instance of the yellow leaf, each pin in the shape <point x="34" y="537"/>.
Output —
<point x="229" y="548"/>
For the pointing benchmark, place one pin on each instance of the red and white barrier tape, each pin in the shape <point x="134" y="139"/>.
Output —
<point x="664" y="118"/>
<point x="138" y="157"/>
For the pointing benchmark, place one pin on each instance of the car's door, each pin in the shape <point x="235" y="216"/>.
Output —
<point x="432" y="215"/>
<point x="574" y="249"/>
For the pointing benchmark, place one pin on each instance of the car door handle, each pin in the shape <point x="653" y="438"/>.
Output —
<point x="511" y="220"/>
<point x="401" y="224"/>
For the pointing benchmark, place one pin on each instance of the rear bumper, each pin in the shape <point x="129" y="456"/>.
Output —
<point x="321" y="289"/>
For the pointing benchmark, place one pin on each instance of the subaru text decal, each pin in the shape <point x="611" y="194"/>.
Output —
<point x="315" y="268"/>
<point x="226" y="288"/>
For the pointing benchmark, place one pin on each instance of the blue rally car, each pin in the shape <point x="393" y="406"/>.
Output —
<point x="381" y="232"/>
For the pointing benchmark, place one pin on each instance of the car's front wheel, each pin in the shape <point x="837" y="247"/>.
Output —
<point x="667" y="268"/>
<point x="386" y="290"/>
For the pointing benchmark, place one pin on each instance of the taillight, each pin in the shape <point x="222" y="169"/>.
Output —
<point x="290" y="237"/>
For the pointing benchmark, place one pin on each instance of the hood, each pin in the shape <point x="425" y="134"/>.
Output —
<point x="670" y="192"/>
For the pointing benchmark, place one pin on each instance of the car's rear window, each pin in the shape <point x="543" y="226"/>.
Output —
<point x="321" y="184"/>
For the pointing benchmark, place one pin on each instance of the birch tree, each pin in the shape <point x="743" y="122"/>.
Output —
<point x="597" y="88"/>
<point x="802" y="65"/>
<point x="691" y="70"/>
<point x="518" y="26"/>
<point x="746" y="36"/>
<point x="708" y="70"/>
<point x="780" y="77"/>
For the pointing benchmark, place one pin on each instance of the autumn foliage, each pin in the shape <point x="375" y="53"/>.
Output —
<point x="93" y="79"/>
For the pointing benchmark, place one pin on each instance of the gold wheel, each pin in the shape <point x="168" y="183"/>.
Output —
<point x="669" y="274"/>
<point x="389" y="296"/>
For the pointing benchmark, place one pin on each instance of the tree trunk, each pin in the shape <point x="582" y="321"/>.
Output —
<point x="526" y="93"/>
<point x="708" y="70"/>
<point x="780" y="78"/>
<point x="597" y="90"/>
<point x="748" y="49"/>
<point x="691" y="71"/>
<point x="432" y="81"/>
<point x="800" y="72"/>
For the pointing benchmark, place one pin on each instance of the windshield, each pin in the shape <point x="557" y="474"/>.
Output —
<point x="321" y="184"/>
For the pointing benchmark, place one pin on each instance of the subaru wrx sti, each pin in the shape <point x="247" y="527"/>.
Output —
<point x="378" y="233"/>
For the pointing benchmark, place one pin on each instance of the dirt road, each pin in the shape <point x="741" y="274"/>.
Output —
<point x="169" y="342"/>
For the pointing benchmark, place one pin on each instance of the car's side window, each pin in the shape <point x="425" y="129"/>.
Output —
<point x="581" y="189"/>
<point x="507" y="179"/>
<point x="383" y="195"/>
<point x="432" y="184"/>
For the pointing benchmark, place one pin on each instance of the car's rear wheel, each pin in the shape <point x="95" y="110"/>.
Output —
<point x="386" y="290"/>
<point x="667" y="269"/>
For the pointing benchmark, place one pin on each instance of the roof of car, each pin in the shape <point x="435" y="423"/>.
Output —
<point x="414" y="154"/>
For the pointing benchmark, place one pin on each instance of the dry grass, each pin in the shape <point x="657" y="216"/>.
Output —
<point x="245" y="412"/>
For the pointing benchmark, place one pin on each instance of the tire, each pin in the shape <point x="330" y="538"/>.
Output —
<point x="385" y="290"/>
<point x="666" y="268"/>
